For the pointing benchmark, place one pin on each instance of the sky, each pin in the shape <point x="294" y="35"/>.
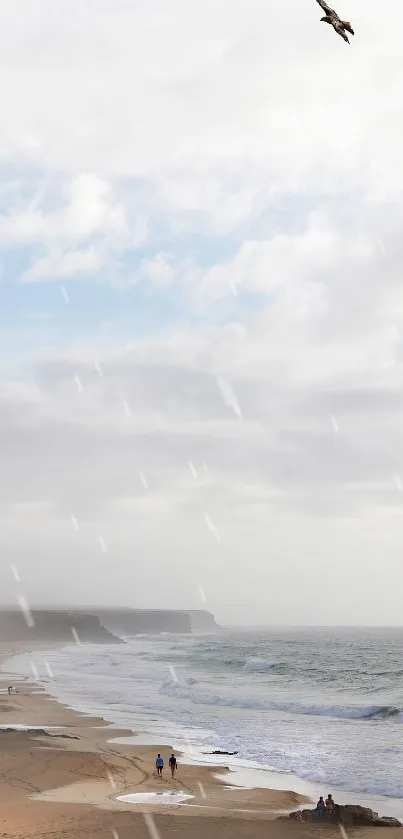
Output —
<point x="201" y="308"/>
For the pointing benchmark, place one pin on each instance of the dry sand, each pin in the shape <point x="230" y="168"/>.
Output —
<point x="64" y="783"/>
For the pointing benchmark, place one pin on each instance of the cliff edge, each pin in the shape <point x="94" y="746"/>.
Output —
<point x="154" y="621"/>
<point x="100" y="626"/>
<point x="55" y="625"/>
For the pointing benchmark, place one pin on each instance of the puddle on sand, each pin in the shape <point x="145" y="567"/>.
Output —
<point x="155" y="797"/>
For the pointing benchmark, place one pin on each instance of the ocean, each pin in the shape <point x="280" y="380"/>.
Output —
<point x="321" y="705"/>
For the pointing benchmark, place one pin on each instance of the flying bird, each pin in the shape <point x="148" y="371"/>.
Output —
<point x="339" y="25"/>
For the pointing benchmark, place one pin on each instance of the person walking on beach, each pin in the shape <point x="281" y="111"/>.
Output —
<point x="173" y="763"/>
<point x="159" y="764"/>
<point x="330" y="807"/>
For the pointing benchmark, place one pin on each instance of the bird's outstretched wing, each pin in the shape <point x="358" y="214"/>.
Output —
<point x="340" y="31"/>
<point x="347" y="25"/>
<point x="327" y="8"/>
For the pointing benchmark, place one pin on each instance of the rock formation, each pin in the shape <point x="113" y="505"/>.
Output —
<point x="350" y="815"/>
<point x="128" y="622"/>
<point x="202" y="621"/>
<point x="100" y="626"/>
<point x="54" y="624"/>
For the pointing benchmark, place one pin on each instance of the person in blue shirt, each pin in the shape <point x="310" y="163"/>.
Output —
<point x="159" y="764"/>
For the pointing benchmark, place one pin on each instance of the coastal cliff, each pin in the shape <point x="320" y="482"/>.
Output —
<point x="100" y="626"/>
<point x="144" y="621"/>
<point x="55" y="624"/>
<point x="154" y="621"/>
<point x="202" y="621"/>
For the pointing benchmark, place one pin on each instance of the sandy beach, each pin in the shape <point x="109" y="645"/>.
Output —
<point x="65" y="781"/>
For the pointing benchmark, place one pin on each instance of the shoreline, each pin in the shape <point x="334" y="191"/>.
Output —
<point x="87" y="763"/>
<point x="242" y="775"/>
<point x="70" y="767"/>
<point x="234" y="771"/>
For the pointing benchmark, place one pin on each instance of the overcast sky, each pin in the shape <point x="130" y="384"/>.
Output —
<point x="201" y="307"/>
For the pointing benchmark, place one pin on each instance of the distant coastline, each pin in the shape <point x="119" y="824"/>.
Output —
<point x="98" y="626"/>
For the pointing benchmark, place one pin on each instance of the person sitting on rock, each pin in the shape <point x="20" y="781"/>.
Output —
<point x="320" y="809"/>
<point x="330" y="807"/>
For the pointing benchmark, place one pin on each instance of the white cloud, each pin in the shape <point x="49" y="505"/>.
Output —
<point x="202" y="96"/>
<point x="58" y="264"/>
<point x="89" y="210"/>
<point x="198" y="118"/>
<point x="90" y="215"/>
<point x="258" y="159"/>
<point x="281" y="481"/>
<point x="158" y="270"/>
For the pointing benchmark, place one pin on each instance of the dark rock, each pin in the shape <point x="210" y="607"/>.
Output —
<point x="40" y="731"/>
<point x="351" y="815"/>
<point x="388" y="821"/>
<point x="218" y="752"/>
<point x="302" y="816"/>
<point x="44" y="733"/>
<point x="354" y="815"/>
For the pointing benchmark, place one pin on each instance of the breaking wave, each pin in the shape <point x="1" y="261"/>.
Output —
<point x="352" y="712"/>
<point x="386" y="712"/>
<point x="255" y="663"/>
